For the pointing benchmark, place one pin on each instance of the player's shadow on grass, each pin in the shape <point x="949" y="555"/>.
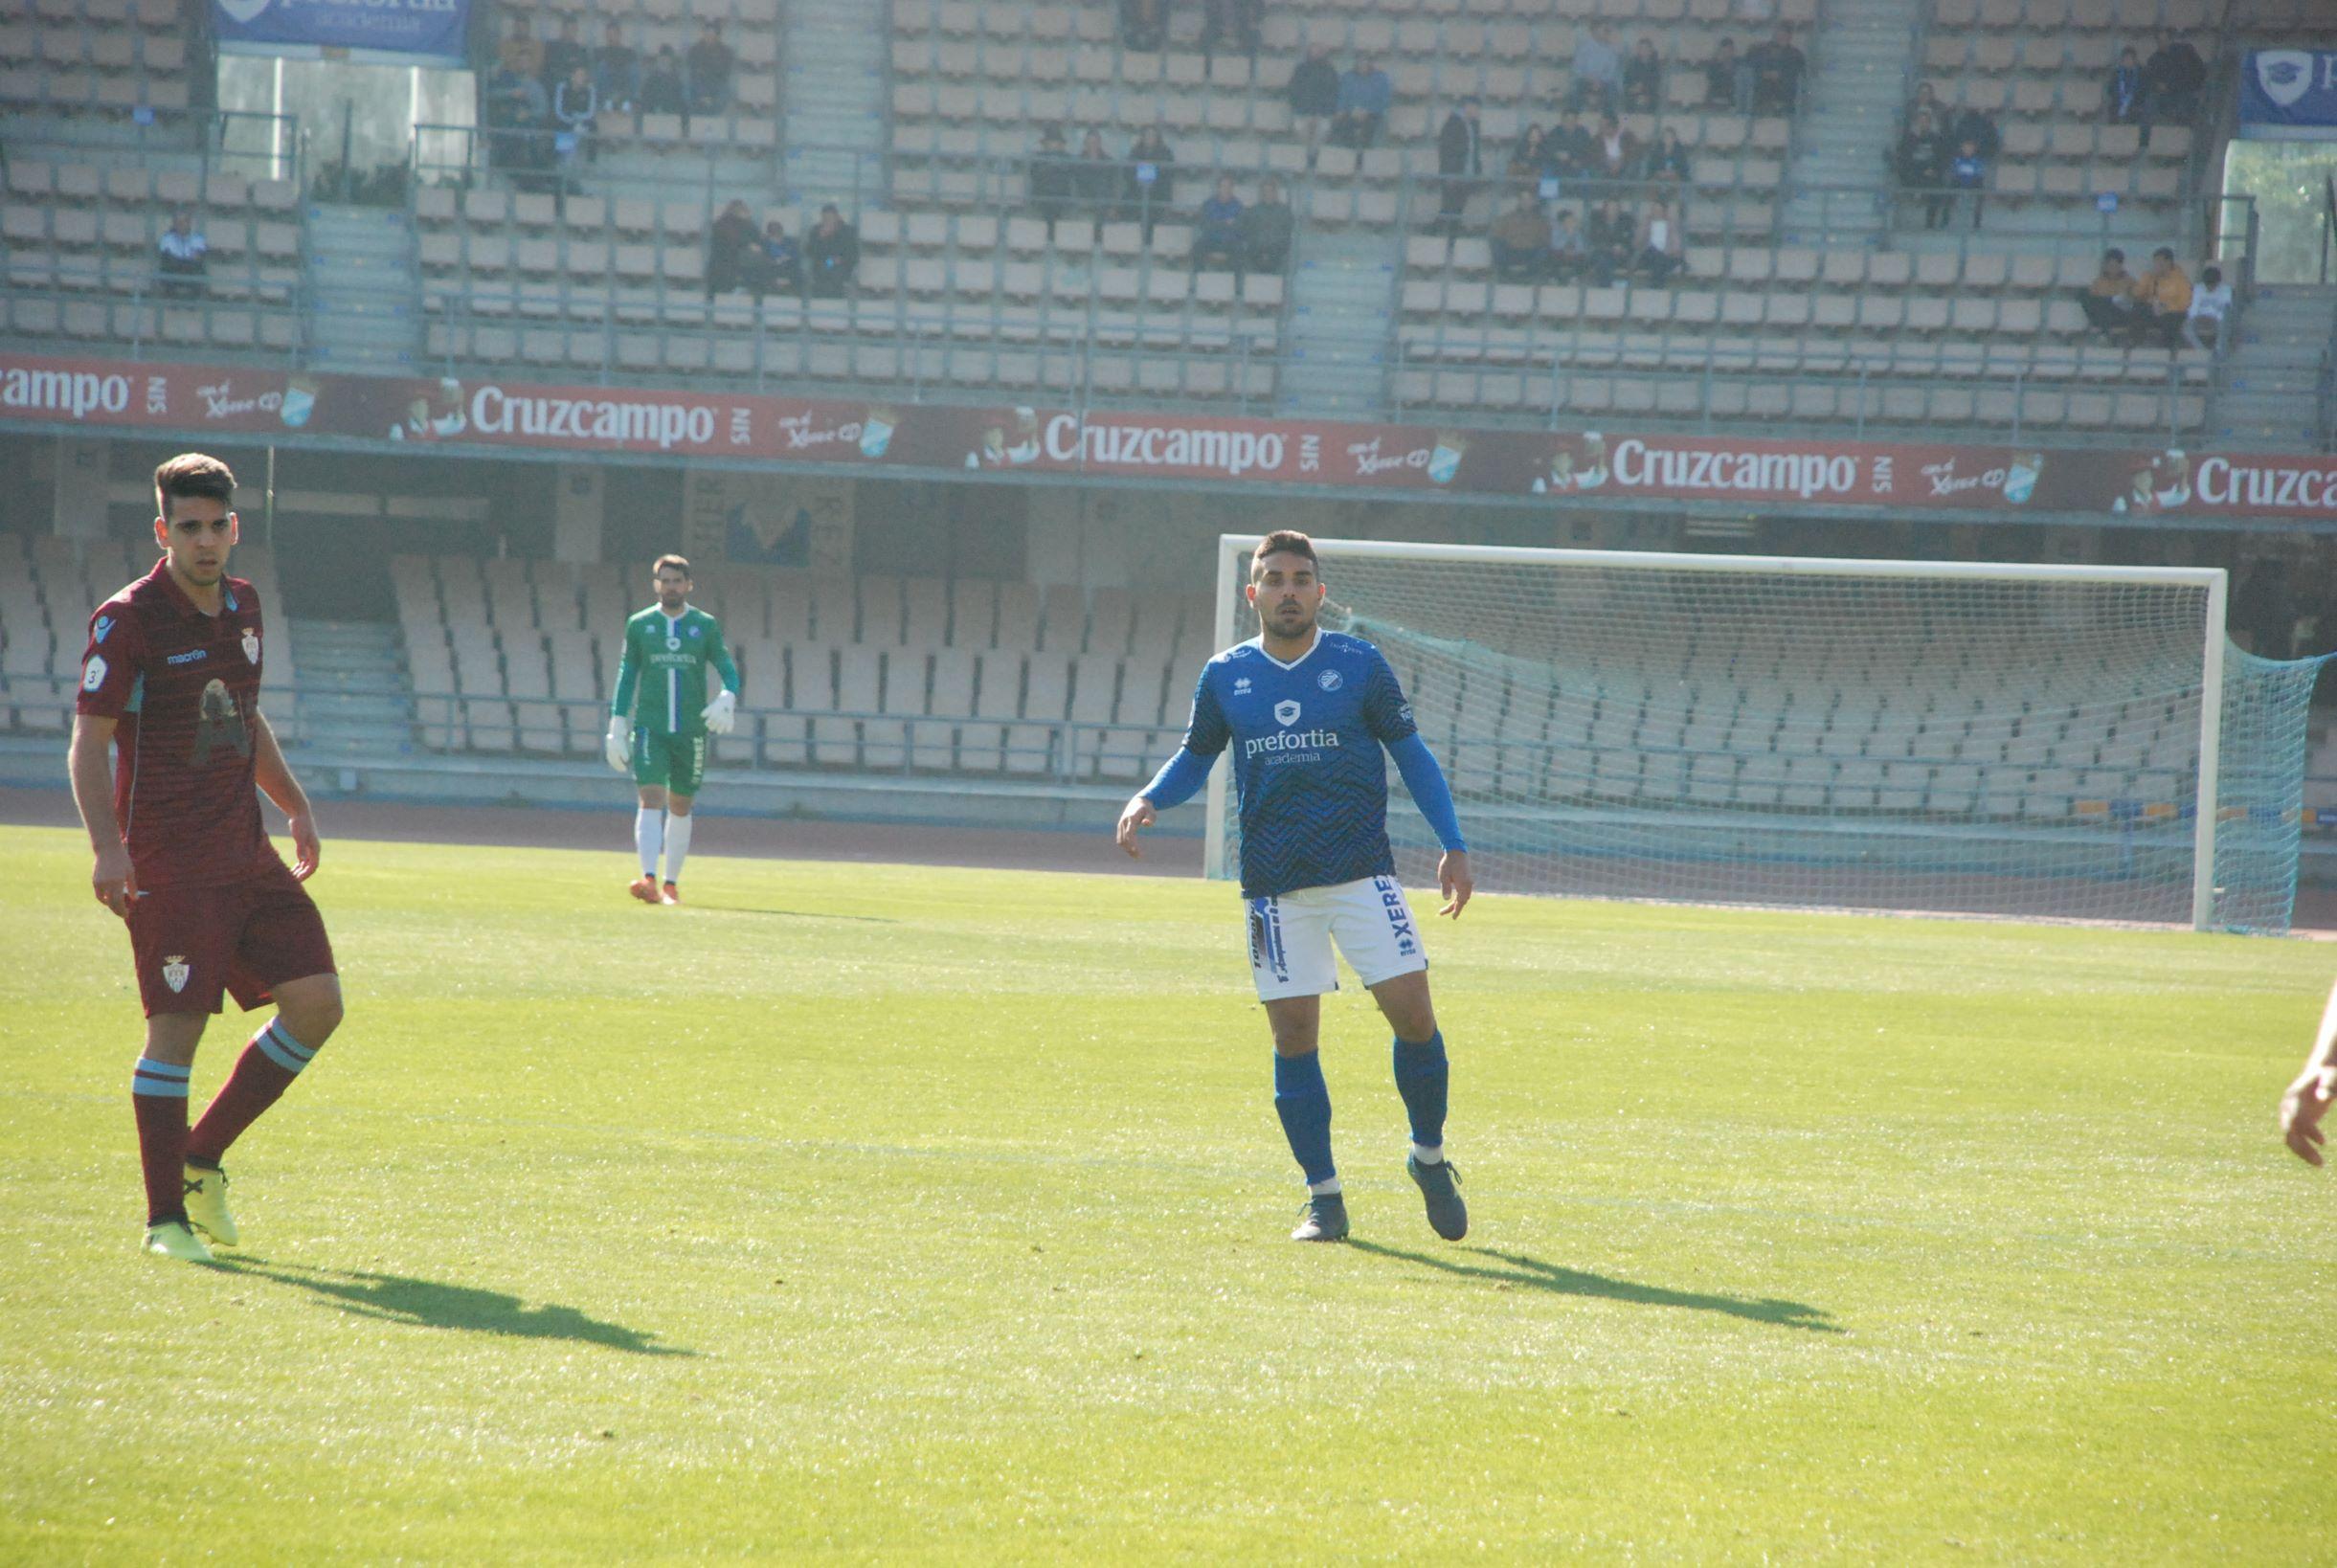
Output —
<point x="395" y="1298"/>
<point x="1533" y="1274"/>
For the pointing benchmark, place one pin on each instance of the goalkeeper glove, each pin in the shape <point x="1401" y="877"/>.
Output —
<point x="721" y="715"/>
<point x="620" y="749"/>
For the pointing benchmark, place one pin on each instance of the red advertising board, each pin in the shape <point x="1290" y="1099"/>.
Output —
<point x="1615" y="462"/>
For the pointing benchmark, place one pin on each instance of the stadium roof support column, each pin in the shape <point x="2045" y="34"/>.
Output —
<point x="79" y="476"/>
<point x="579" y="512"/>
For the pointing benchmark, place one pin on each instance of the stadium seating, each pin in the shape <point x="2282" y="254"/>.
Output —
<point x="895" y="674"/>
<point x="1948" y="337"/>
<point x="79" y="240"/>
<point x="112" y="59"/>
<point x="49" y="589"/>
<point x="618" y="284"/>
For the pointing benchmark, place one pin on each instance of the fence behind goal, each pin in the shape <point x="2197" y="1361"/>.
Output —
<point x="2004" y="739"/>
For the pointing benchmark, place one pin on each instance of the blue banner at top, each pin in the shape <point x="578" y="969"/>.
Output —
<point x="411" y="32"/>
<point x="2289" y="93"/>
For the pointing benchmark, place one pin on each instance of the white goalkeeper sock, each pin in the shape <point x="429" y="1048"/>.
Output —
<point x="677" y="845"/>
<point x="649" y="836"/>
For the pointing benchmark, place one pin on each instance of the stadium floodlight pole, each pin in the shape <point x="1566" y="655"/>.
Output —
<point x="2212" y="581"/>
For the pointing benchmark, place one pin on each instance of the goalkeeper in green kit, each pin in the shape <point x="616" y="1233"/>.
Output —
<point x="660" y="719"/>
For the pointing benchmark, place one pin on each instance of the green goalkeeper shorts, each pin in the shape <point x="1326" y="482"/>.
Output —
<point x="675" y="763"/>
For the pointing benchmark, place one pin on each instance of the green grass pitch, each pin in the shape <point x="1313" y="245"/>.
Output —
<point x="890" y="1213"/>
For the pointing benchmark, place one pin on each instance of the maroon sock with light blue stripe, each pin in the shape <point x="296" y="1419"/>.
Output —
<point x="267" y="1067"/>
<point x="158" y="1094"/>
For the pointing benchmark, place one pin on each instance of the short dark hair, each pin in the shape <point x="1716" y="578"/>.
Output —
<point x="2113" y="253"/>
<point x="2163" y="253"/>
<point x="192" y="473"/>
<point x="678" y="563"/>
<point x="2212" y="277"/>
<point x="1283" y="542"/>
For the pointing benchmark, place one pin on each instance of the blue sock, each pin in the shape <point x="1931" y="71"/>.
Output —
<point x="1422" y="1075"/>
<point x="1304" y="1104"/>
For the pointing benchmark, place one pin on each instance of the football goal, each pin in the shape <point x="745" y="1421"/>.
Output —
<point x="2032" y="741"/>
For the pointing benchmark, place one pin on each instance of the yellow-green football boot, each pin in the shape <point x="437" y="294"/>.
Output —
<point x="206" y="1190"/>
<point x="173" y="1239"/>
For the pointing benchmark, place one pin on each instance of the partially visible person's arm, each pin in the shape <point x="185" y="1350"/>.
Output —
<point x="275" y="778"/>
<point x="86" y="760"/>
<point x="2308" y="1098"/>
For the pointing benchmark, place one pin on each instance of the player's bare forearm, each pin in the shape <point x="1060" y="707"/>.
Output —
<point x="273" y="773"/>
<point x="110" y="879"/>
<point x="274" y="776"/>
<point x="89" y="766"/>
<point x="2308" y="1098"/>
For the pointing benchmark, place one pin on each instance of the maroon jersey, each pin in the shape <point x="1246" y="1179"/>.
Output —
<point x="184" y="688"/>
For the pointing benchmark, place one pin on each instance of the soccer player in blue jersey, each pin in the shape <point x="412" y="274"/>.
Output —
<point x="1307" y="712"/>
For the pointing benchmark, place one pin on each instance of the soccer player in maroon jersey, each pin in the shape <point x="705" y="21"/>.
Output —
<point x="171" y="680"/>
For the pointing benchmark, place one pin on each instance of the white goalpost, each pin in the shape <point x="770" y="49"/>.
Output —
<point x="1963" y="738"/>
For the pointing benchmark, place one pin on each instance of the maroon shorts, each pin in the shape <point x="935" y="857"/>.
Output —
<point x="192" y="945"/>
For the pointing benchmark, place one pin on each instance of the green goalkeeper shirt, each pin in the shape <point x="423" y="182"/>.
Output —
<point x="665" y="669"/>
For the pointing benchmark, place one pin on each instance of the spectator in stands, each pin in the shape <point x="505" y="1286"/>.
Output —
<point x="663" y="89"/>
<point x="1529" y="156"/>
<point x="521" y="51"/>
<point x="1365" y="94"/>
<point x="1096" y="180"/>
<point x="518" y="120"/>
<point x="182" y="256"/>
<point x="1237" y="18"/>
<point x="1568" y="254"/>
<point x="1967" y="176"/>
<point x="1151" y="179"/>
<point x="1727" y="80"/>
<point x="1314" y="95"/>
<point x="2121" y="95"/>
<point x="2108" y="300"/>
<point x="2211" y="302"/>
<point x="711" y="64"/>
<point x="574" y="108"/>
<point x="1926" y="101"/>
<point x="1613" y="153"/>
<point x="1919" y="165"/>
<point x="734" y="255"/>
<point x="1144" y="24"/>
<point x="562" y="54"/>
<point x="2172" y="77"/>
<point x="1520" y="240"/>
<point x="1607" y="242"/>
<point x="782" y="260"/>
<point x="1976" y="125"/>
<point x="1643" y="79"/>
<point x="617" y="70"/>
<point x="1051" y="178"/>
<point x="1460" y="161"/>
<point x="2162" y="300"/>
<point x="833" y="255"/>
<point x="1217" y="230"/>
<point x="1666" y="159"/>
<point x="1597" y="69"/>
<point x="1777" y="73"/>
<point x="1578" y="146"/>
<point x="1266" y="230"/>
<point x="1662" y="242"/>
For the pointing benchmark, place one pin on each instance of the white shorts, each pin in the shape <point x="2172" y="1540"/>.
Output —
<point x="1290" y="936"/>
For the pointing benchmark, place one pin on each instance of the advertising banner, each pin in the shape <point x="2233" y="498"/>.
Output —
<point x="388" y="32"/>
<point x="2288" y="94"/>
<point x="1573" y="467"/>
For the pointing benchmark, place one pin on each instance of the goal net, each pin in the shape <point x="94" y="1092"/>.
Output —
<point x="2007" y="740"/>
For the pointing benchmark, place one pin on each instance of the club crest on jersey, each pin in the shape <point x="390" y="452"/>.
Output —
<point x="693" y="632"/>
<point x="251" y="644"/>
<point x="1285" y="713"/>
<point x="175" y="970"/>
<point x="1330" y="681"/>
